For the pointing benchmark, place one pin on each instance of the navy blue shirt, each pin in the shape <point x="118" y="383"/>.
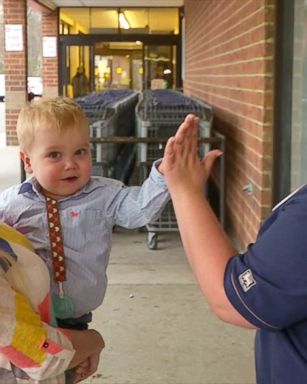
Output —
<point x="268" y="286"/>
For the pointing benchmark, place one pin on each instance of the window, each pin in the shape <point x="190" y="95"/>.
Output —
<point x="119" y="20"/>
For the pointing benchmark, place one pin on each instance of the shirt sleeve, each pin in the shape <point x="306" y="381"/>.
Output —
<point x="267" y="284"/>
<point x="134" y="207"/>
<point x="8" y="209"/>
<point x="38" y="349"/>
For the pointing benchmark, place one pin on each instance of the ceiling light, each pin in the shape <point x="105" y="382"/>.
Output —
<point x="123" y="22"/>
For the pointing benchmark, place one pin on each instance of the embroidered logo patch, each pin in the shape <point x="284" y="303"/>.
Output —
<point x="74" y="214"/>
<point x="247" y="280"/>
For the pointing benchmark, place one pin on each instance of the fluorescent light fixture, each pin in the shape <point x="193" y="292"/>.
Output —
<point x="123" y="22"/>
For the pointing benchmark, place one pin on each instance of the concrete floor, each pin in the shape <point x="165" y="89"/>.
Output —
<point x="156" y="324"/>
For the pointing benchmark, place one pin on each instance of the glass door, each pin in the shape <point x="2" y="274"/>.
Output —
<point x="160" y="66"/>
<point x="77" y="69"/>
<point x="118" y="65"/>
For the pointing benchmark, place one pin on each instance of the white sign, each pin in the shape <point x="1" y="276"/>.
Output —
<point x="2" y="86"/>
<point x="13" y="37"/>
<point x="49" y="46"/>
<point x="35" y="85"/>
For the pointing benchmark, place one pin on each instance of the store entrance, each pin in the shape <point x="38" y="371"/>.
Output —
<point x="76" y="70"/>
<point x="99" y="66"/>
<point x="160" y="66"/>
<point x="118" y="65"/>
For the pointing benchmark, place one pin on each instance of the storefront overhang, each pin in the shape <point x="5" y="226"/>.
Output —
<point x="53" y="4"/>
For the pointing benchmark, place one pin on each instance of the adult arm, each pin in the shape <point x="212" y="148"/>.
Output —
<point x="207" y="246"/>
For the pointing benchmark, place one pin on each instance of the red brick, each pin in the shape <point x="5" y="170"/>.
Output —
<point x="229" y="51"/>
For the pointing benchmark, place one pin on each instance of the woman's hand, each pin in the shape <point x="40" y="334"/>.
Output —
<point x="184" y="170"/>
<point x="87" y="368"/>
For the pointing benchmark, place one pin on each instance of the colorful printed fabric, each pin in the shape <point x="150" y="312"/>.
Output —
<point x="31" y="351"/>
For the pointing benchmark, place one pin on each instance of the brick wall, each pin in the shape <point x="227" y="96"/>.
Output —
<point x="14" y="12"/>
<point x="50" y="64"/>
<point x="229" y="64"/>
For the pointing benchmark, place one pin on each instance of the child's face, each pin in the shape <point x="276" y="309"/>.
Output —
<point x="61" y="162"/>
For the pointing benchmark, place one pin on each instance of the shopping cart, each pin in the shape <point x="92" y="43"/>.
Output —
<point x="158" y="116"/>
<point x="167" y="221"/>
<point x="111" y="113"/>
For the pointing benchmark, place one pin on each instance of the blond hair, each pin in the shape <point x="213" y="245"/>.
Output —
<point x="57" y="113"/>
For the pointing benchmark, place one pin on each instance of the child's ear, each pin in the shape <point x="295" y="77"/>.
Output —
<point x="26" y="162"/>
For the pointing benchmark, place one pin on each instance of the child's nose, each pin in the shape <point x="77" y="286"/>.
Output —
<point x="70" y="163"/>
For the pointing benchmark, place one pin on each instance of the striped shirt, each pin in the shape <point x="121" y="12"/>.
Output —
<point x="87" y="219"/>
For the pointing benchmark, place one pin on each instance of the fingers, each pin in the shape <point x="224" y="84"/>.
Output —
<point x="80" y="377"/>
<point x="168" y="157"/>
<point x="94" y="361"/>
<point x="210" y="158"/>
<point x="186" y="137"/>
<point x="194" y="135"/>
<point x="169" y="148"/>
<point x="183" y="148"/>
<point x="185" y="128"/>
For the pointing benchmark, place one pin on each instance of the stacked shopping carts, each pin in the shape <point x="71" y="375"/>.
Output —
<point x="111" y="113"/>
<point x="158" y="116"/>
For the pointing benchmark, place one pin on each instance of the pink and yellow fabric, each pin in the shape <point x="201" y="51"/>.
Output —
<point x="31" y="350"/>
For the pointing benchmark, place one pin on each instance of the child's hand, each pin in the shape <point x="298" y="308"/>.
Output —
<point x="86" y="368"/>
<point x="160" y="167"/>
